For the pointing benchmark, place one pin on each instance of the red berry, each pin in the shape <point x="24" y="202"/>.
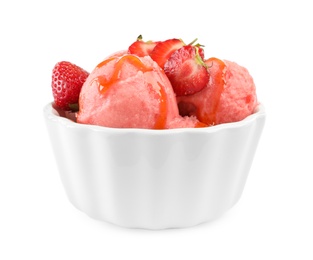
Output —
<point x="187" y="71"/>
<point x="164" y="49"/>
<point x="141" y="48"/>
<point x="67" y="81"/>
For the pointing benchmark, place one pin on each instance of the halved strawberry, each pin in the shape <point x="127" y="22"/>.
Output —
<point x="204" y="105"/>
<point x="164" y="49"/>
<point x="186" y="70"/>
<point x="141" y="48"/>
<point x="67" y="81"/>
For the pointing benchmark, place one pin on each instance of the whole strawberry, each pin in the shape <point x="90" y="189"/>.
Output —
<point x="67" y="81"/>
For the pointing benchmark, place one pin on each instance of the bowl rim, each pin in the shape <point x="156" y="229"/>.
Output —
<point x="51" y="114"/>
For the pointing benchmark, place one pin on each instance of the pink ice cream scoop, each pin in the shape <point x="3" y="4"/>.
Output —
<point x="127" y="91"/>
<point x="230" y="95"/>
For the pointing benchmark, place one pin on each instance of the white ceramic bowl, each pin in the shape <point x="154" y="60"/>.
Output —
<point x="154" y="179"/>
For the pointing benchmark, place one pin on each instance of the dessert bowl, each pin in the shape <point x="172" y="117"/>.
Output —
<point x="154" y="179"/>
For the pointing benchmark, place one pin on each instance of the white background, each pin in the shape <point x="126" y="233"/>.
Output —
<point x="273" y="39"/>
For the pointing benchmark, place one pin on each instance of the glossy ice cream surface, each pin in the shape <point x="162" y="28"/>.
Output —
<point x="126" y="91"/>
<point x="230" y="95"/>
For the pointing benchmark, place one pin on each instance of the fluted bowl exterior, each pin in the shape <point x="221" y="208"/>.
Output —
<point x="154" y="179"/>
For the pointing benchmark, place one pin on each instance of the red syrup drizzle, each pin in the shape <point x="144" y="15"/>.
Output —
<point x="217" y="76"/>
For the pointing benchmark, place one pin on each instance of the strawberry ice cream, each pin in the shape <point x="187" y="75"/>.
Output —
<point x="230" y="95"/>
<point x="127" y="91"/>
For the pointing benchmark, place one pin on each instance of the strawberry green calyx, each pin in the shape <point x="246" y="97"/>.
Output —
<point x="74" y="107"/>
<point x="199" y="59"/>
<point x="139" y="38"/>
<point x="193" y="42"/>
